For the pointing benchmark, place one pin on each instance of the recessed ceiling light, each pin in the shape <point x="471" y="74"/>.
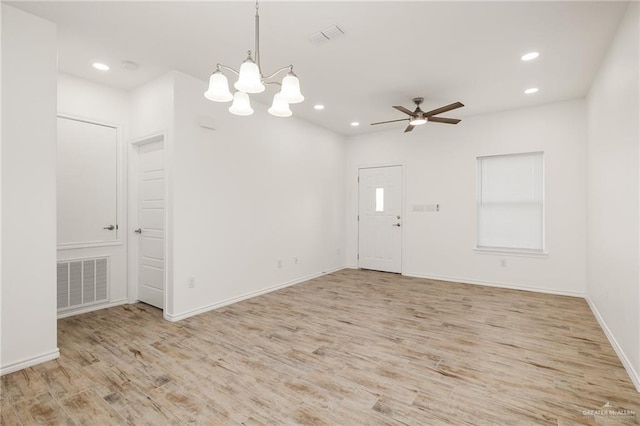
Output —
<point x="529" y="56"/>
<point x="354" y="124"/>
<point x="531" y="90"/>
<point x="100" y="66"/>
<point x="319" y="107"/>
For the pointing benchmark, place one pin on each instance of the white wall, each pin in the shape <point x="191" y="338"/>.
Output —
<point x="28" y="190"/>
<point x="256" y="190"/>
<point x="440" y="168"/>
<point x="94" y="102"/>
<point x="151" y="107"/>
<point x="613" y="253"/>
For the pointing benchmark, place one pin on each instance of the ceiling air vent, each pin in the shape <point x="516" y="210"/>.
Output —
<point x="325" y="35"/>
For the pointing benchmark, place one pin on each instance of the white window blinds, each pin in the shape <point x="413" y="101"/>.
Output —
<point x="511" y="202"/>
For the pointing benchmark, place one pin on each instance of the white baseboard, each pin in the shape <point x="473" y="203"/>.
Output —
<point x="92" y="308"/>
<point x="29" y="362"/>
<point x="226" y="302"/>
<point x="633" y="374"/>
<point x="496" y="284"/>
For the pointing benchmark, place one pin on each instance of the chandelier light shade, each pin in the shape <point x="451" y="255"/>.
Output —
<point x="218" y="88"/>
<point x="280" y="108"/>
<point x="252" y="80"/>
<point x="241" y="104"/>
<point x="249" y="80"/>
<point x="291" y="89"/>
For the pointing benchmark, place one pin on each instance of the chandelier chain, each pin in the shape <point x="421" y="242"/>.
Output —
<point x="257" y="36"/>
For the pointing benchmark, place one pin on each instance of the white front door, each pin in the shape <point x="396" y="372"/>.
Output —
<point x="151" y="226"/>
<point x="380" y="219"/>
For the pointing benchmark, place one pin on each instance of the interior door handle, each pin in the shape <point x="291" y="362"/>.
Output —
<point x="110" y="227"/>
<point x="138" y="231"/>
<point x="396" y="224"/>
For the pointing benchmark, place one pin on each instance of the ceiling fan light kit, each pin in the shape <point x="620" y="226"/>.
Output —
<point x="419" y="117"/>
<point x="252" y="80"/>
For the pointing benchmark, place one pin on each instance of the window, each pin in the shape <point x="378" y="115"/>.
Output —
<point x="511" y="202"/>
<point x="379" y="199"/>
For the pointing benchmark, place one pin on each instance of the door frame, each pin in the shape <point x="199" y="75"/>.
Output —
<point x="121" y="198"/>
<point x="133" y="249"/>
<point x="403" y="209"/>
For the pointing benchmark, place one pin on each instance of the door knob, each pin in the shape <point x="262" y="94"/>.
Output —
<point x="396" y="224"/>
<point x="110" y="227"/>
<point x="138" y="231"/>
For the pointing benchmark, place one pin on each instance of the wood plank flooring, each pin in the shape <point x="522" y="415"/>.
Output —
<point x="350" y="348"/>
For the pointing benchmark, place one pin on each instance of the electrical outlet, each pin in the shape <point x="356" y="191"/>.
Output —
<point x="192" y="282"/>
<point x="503" y="263"/>
<point x="295" y="260"/>
<point x="279" y="264"/>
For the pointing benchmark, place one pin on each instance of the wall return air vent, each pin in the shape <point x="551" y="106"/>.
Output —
<point x="82" y="282"/>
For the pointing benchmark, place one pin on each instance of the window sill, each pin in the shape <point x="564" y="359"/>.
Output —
<point x="511" y="252"/>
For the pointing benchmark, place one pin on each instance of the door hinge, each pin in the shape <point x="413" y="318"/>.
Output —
<point x="358" y="256"/>
<point x="358" y="218"/>
<point x="358" y="179"/>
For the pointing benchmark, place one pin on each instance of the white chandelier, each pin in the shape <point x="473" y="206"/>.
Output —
<point x="251" y="80"/>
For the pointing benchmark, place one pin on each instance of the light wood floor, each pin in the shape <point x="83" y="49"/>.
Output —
<point x="349" y="348"/>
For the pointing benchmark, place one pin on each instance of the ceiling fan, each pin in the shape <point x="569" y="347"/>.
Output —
<point x="419" y="117"/>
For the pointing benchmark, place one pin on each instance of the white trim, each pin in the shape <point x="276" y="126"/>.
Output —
<point x="91" y="308"/>
<point x="80" y="257"/>
<point x="210" y="307"/>
<point x="635" y="377"/>
<point x="74" y="246"/>
<point x="381" y="165"/>
<point x="88" y="120"/>
<point x="155" y="137"/>
<point x="30" y="362"/>
<point x="511" y="252"/>
<point x="497" y="284"/>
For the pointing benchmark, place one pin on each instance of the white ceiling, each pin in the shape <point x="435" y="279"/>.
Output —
<point x="391" y="51"/>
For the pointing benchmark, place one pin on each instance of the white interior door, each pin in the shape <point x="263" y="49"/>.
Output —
<point x="379" y="219"/>
<point x="87" y="182"/>
<point x="151" y="201"/>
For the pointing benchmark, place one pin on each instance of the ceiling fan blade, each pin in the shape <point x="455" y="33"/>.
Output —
<point x="391" y="121"/>
<point x="443" y="109"/>
<point x="444" y="120"/>
<point x="403" y="109"/>
<point x="409" y="128"/>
